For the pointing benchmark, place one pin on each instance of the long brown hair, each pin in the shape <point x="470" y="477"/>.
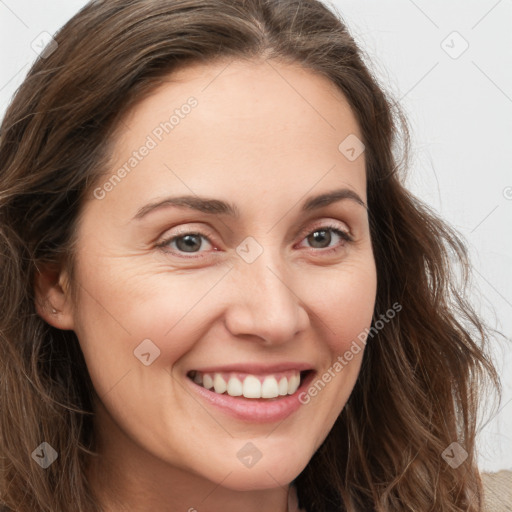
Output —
<point x="422" y="375"/>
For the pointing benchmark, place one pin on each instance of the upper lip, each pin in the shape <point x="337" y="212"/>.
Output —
<point x="256" y="369"/>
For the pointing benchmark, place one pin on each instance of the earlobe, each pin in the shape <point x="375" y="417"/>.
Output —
<point x="52" y="297"/>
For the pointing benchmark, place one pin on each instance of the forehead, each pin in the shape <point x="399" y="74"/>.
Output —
<point x="250" y="123"/>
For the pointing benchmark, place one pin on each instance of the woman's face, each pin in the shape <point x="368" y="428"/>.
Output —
<point x="247" y="278"/>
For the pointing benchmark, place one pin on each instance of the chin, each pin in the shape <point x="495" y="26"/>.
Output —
<point x="272" y="473"/>
<point x="248" y="481"/>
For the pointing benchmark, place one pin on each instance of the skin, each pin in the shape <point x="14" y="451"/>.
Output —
<point x="265" y="137"/>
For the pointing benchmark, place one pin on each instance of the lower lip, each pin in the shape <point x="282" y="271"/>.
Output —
<point x="255" y="410"/>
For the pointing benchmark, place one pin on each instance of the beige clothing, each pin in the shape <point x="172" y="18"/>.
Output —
<point x="498" y="491"/>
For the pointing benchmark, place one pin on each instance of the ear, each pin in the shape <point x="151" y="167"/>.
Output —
<point x="52" y="296"/>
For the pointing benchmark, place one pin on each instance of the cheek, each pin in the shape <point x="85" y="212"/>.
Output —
<point x="345" y="308"/>
<point x="345" y="302"/>
<point x="123" y="305"/>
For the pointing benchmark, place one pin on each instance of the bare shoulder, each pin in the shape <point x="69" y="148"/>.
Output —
<point x="497" y="491"/>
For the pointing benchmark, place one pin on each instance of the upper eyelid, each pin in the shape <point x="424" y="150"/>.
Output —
<point x="329" y="224"/>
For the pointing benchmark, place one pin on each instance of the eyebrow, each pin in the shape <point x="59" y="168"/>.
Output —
<point x="217" y="206"/>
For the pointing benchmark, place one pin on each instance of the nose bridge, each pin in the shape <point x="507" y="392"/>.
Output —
<point x="264" y="303"/>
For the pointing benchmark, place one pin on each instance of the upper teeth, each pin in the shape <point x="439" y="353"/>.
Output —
<point x="249" y="386"/>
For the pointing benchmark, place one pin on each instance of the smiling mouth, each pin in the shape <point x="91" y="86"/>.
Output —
<point x="237" y="384"/>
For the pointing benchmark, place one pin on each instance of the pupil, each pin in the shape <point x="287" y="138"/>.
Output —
<point x="188" y="243"/>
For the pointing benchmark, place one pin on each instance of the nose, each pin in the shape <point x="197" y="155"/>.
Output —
<point x="263" y="303"/>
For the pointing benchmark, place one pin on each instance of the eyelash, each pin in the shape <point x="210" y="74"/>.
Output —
<point x="344" y="235"/>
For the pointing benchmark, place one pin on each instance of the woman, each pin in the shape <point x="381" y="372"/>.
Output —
<point x="309" y="349"/>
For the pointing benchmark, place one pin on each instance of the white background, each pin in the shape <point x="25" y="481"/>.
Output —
<point x="460" y="113"/>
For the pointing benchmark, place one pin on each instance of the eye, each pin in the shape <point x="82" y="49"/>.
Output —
<point x="186" y="242"/>
<point x="321" y="238"/>
<point x="191" y="242"/>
